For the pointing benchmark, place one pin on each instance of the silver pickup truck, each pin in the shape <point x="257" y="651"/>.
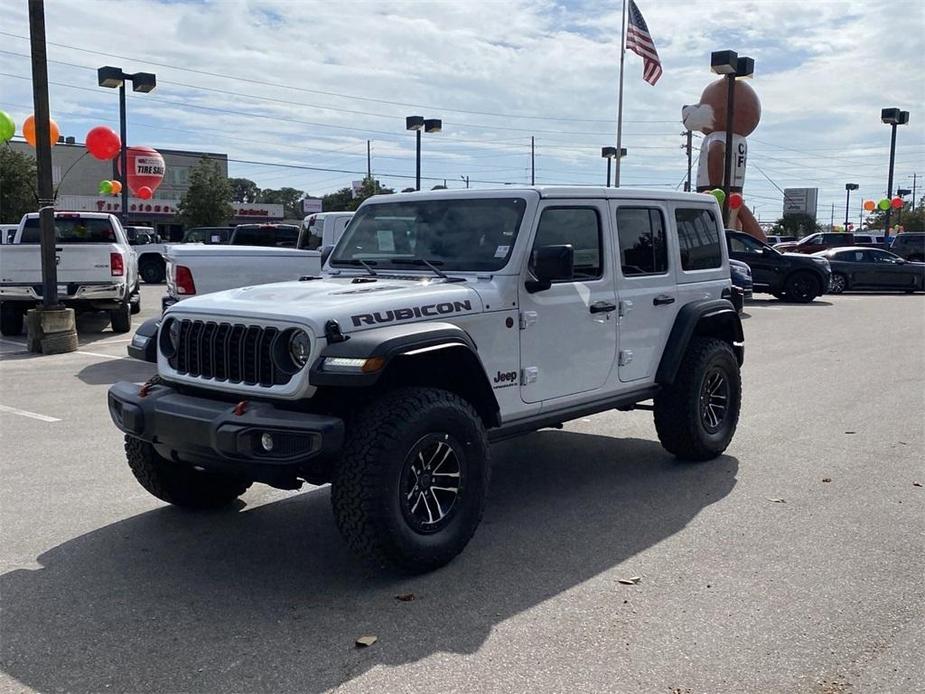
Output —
<point x="97" y="269"/>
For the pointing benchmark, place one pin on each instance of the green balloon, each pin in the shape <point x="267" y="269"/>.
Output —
<point x="884" y="204"/>
<point x="105" y="187"/>
<point x="719" y="194"/>
<point x="7" y="127"/>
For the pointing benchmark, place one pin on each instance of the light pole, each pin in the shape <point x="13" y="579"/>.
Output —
<point x="892" y="117"/>
<point x="730" y="65"/>
<point x="902" y="192"/>
<point x="848" y="188"/>
<point x="428" y="125"/>
<point x="112" y="77"/>
<point x="610" y="153"/>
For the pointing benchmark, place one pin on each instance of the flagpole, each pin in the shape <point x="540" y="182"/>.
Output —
<point x="616" y="177"/>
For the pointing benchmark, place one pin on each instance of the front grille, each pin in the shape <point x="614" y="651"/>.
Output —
<point x="229" y="352"/>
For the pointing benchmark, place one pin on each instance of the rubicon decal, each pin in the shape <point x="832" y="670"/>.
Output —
<point x="411" y="312"/>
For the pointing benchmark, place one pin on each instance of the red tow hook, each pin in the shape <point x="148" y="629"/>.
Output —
<point x="240" y="408"/>
<point x="148" y="385"/>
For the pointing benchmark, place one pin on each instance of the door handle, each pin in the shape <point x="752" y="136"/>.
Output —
<point x="662" y="299"/>
<point x="602" y="307"/>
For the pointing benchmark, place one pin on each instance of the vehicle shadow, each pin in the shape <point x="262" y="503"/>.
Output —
<point x="111" y="371"/>
<point x="269" y="598"/>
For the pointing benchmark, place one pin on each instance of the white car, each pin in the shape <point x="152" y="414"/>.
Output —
<point x="443" y="320"/>
<point x="97" y="269"/>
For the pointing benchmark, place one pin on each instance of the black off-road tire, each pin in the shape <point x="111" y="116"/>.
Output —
<point x="11" y="320"/>
<point x="803" y="287"/>
<point x="178" y="483"/>
<point x="679" y="408"/>
<point x="367" y="489"/>
<point x="152" y="271"/>
<point x="121" y="318"/>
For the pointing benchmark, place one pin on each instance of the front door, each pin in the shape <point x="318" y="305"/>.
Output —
<point x="764" y="262"/>
<point x="569" y="331"/>
<point x="647" y="290"/>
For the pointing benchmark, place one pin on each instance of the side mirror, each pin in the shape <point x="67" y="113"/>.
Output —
<point x="132" y="236"/>
<point x="551" y="263"/>
<point x="325" y="254"/>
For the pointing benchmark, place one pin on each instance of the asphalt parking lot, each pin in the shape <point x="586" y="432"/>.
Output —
<point x="794" y="563"/>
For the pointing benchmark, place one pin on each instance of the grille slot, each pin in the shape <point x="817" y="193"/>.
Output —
<point x="231" y="352"/>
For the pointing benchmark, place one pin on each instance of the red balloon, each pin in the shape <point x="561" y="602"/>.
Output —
<point x="896" y="203"/>
<point x="735" y="201"/>
<point x="144" y="193"/>
<point x="145" y="169"/>
<point x="103" y="143"/>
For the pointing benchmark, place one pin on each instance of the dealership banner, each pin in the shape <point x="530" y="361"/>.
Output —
<point x="168" y="208"/>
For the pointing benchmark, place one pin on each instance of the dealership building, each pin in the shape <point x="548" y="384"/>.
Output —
<point x="76" y="176"/>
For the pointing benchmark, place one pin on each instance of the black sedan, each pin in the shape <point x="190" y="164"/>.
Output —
<point x="861" y="267"/>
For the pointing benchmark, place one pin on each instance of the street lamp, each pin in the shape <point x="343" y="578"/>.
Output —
<point x="730" y="65"/>
<point x="892" y="117"/>
<point x="902" y="192"/>
<point x="848" y="188"/>
<point x="428" y="125"/>
<point x="610" y="153"/>
<point x="144" y="82"/>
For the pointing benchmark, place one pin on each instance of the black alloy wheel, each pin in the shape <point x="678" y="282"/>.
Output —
<point x="802" y="287"/>
<point x="839" y="283"/>
<point x="432" y="479"/>
<point x="714" y="400"/>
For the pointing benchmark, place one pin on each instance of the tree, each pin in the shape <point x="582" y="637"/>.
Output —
<point x="206" y="201"/>
<point x="345" y="199"/>
<point x="18" y="177"/>
<point x="289" y="198"/>
<point x="244" y="190"/>
<point x="798" y="224"/>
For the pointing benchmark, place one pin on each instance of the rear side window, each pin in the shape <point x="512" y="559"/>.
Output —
<point x="578" y="227"/>
<point x="72" y="230"/>
<point x="641" y="232"/>
<point x="698" y="239"/>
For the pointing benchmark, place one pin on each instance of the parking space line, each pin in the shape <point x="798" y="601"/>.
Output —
<point x="26" y="413"/>
<point x="100" y="354"/>
<point x="7" y="341"/>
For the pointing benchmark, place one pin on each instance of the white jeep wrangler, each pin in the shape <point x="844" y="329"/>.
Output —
<point x="443" y="321"/>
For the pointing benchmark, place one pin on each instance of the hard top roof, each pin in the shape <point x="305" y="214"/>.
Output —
<point x="546" y="192"/>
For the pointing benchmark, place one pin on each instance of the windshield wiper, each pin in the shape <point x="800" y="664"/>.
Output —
<point x="431" y="264"/>
<point x="357" y="261"/>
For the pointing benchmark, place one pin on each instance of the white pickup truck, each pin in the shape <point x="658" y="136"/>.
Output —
<point x="195" y="269"/>
<point x="97" y="269"/>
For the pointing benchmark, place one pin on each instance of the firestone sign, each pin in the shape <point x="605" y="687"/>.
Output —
<point x="167" y="208"/>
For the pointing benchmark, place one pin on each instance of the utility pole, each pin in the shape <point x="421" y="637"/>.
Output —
<point x="532" y="161"/>
<point x="51" y="328"/>
<point x="832" y="219"/>
<point x="369" y="161"/>
<point x="688" y="146"/>
<point x="914" y="203"/>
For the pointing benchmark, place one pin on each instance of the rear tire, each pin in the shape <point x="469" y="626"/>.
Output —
<point x="11" y="320"/>
<point x="411" y="484"/>
<point x="179" y="483"/>
<point x="803" y="287"/>
<point x="152" y="271"/>
<point x="696" y="416"/>
<point x="121" y="318"/>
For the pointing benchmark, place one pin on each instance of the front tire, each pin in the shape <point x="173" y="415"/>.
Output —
<point x="696" y="416"/>
<point x="179" y="483"/>
<point x="411" y="484"/>
<point x="121" y="318"/>
<point x="839" y="283"/>
<point x="11" y="320"/>
<point x="803" y="287"/>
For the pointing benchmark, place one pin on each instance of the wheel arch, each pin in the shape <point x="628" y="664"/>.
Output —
<point x="707" y="318"/>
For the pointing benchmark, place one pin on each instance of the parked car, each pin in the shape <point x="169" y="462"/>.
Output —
<point x="150" y="251"/>
<point x="872" y="268"/>
<point x="271" y="235"/>
<point x="207" y="235"/>
<point x="816" y="242"/>
<point x="742" y="285"/>
<point x="323" y="229"/>
<point x="779" y="239"/>
<point x="909" y="245"/>
<point x="787" y="276"/>
<point x="7" y="232"/>
<point x="497" y="313"/>
<point x="868" y="240"/>
<point x="97" y="269"/>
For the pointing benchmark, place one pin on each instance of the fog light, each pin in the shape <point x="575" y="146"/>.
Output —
<point x="266" y="442"/>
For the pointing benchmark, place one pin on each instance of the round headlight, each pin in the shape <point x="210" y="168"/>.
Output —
<point x="300" y="347"/>
<point x="170" y="337"/>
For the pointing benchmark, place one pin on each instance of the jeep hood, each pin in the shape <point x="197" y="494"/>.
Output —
<point x="356" y="303"/>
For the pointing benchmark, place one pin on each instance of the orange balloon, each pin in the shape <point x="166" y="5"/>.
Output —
<point x="28" y="131"/>
<point x="869" y="205"/>
<point x="116" y="187"/>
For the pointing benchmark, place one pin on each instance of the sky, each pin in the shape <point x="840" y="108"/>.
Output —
<point x="292" y="91"/>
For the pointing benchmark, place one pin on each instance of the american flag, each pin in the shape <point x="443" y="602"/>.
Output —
<point x="639" y="42"/>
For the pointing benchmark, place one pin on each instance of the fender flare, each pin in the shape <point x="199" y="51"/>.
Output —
<point x="716" y="317"/>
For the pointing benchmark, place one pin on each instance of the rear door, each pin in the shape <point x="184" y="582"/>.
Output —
<point x="645" y="285"/>
<point x="889" y="273"/>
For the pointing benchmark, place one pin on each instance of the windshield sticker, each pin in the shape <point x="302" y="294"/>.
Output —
<point x="386" y="240"/>
<point x="501" y="251"/>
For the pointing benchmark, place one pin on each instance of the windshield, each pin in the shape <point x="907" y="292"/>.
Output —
<point x="281" y="236"/>
<point x="72" y="230"/>
<point x="473" y="234"/>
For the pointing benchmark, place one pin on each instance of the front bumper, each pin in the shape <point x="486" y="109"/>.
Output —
<point x="209" y="434"/>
